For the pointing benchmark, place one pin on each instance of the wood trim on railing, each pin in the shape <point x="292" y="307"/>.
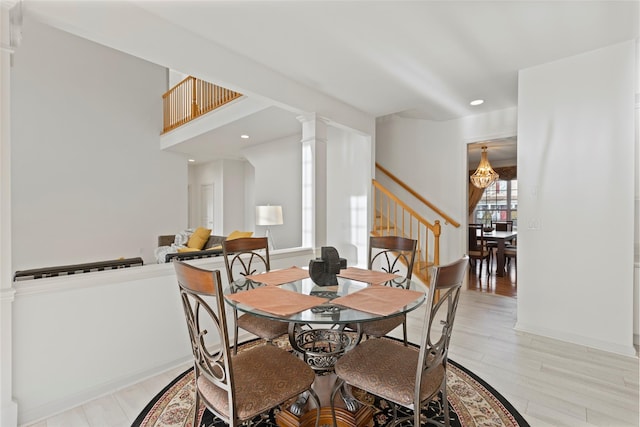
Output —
<point x="394" y="217"/>
<point x="447" y="218"/>
<point x="407" y="208"/>
<point x="190" y="99"/>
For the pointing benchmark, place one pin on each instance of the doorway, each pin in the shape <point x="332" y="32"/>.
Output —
<point x="206" y="206"/>
<point x="496" y="203"/>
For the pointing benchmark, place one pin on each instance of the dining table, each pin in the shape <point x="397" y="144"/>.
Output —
<point x="501" y="238"/>
<point x="317" y="316"/>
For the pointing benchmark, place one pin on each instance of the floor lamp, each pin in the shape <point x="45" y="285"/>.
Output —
<point x="268" y="216"/>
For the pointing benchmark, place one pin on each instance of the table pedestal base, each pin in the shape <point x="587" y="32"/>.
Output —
<point x="344" y="418"/>
<point x="323" y="385"/>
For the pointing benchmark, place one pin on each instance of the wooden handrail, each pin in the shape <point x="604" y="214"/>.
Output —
<point x="447" y="218"/>
<point x="190" y="99"/>
<point x="393" y="217"/>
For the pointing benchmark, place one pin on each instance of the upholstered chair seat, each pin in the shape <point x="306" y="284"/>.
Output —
<point x="264" y="377"/>
<point x="380" y="328"/>
<point x="262" y="327"/>
<point x="388" y="370"/>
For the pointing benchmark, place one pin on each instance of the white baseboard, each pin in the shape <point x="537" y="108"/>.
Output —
<point x="623" y="350"/>
<point x="9" y="414"/>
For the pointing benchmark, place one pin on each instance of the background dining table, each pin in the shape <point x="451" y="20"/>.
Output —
<point x="501" y="238"/>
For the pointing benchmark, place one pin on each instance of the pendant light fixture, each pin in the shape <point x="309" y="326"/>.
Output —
<point x="484" y="175"/>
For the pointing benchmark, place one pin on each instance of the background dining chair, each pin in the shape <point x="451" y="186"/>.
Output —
<point x="511" y="253"/>
<point x="392" y="254"/>
<point x="407" y="376"/>
<point x="503" y="225"/>
<point x="244" y="257"/>
<point x="498" y="226"/>
<point x="236" y="388"/>
<point x="478" y="250"/>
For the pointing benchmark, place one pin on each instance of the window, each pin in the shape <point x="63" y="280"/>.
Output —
<point x="499" y="203"/>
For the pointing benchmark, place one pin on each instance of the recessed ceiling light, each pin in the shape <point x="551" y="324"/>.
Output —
<point x="192" y="160"/>
<point x="476" y="102"/>
<point x="244" y="136"/>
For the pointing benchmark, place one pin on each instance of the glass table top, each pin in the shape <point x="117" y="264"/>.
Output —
<point x="328" y="312"/>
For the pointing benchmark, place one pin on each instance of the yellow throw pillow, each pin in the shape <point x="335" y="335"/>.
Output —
<point x="213" y="248"/>
<point x="187" y="249"/>
<point x="239" y="234"/>
<point x="199" y="238"/>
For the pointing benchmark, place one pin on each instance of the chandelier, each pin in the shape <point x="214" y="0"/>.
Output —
<point x="484" y="175"/>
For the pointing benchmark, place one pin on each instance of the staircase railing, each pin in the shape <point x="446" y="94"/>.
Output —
<point x="394" y="217"/>
<point x="411" y="191"/>
<point x="190" y="99"/>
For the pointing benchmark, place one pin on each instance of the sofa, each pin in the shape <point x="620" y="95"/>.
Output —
<point x="212" y="248"/>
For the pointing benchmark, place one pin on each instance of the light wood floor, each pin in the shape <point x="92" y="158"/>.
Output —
<point x="551" y="383"/>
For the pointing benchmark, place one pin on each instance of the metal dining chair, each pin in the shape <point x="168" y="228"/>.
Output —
<point x="404" y="375"/>
<point x="244" y="257"/>
<point x="234" y="387"/>
<point x="392" y="254"/>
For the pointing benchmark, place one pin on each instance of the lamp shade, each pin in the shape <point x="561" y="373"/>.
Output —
<point x="269" y="215"/>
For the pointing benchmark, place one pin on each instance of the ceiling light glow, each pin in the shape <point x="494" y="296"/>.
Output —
<point x="477" y="102"/>
<point x="244" y="136"/>
<point x="191" y="160"/>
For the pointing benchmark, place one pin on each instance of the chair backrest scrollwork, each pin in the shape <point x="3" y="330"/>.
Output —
<point x="392" y="254"/>
<point x="208" y="331"/>
<point x="446" y="280"/>
<point x="246" y="256"/>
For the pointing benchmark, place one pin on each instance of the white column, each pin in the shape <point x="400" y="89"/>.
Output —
<point x="314" y="181"/>
<point x="10" y="21"/>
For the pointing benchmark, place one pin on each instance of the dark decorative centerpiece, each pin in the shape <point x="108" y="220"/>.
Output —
<point x="323" y="270"/>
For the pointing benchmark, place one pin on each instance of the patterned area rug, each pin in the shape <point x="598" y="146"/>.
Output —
<point x="472" y="403"/>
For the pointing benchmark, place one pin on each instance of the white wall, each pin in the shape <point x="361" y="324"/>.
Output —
<point x="349" y="157"/>
<point x="78" y="337"/>
<point x="636" y="274"/>
<point x="89" y="180"/>
<point x="425" y="155"/>
<point x="93" y="20"/>
<point x="431" y="157"/>
<point x="576" y="198"/>
<point x="278" y="181"/>
<point x="227" y="178"/>
<point x="572" y="114"/>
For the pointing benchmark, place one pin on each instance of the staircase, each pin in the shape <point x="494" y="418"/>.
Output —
<point x="394" y="217"/>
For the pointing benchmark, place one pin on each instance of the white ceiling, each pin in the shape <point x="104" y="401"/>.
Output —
<point x="420" y="59"/>
<point x="225" y="142"/>
<point x="500" y="152"/>
<point x="423" y="59"/>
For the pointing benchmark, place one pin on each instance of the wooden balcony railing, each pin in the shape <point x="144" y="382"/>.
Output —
<point x="191" y="98"/>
